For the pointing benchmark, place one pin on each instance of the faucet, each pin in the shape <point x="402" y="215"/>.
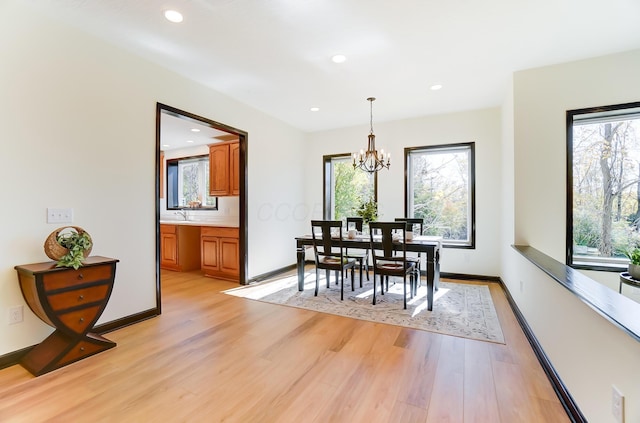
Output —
<point x="184" y="214"/>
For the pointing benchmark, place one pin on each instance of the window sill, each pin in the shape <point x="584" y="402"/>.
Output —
<point x="616" y="308"/>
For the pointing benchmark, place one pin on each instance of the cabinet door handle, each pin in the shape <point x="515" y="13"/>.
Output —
<point x="80" y="276"/>
<point x="80" y="297"/>
<point x="81" y="319"/>
<point x="82" y="349"/>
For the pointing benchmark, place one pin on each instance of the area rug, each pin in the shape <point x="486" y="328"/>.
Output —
<point x="463" y="310"/>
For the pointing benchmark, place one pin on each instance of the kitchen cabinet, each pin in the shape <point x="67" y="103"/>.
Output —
<point x="220" y="252"/>
<point x="179" y="247"/>
<point x="234" y="164"/>
<point x="224" y="172"/>
<point x="71" y="301"/>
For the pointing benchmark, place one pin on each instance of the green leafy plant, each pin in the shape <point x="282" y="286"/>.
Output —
<point x="633" y="255"/>
<point x="368" y="211"/>
<point x="77" y="243"/>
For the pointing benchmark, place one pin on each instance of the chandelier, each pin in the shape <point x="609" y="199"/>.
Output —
<point x="370" y="160"/>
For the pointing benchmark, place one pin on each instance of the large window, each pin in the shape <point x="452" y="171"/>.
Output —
<point x="603" y="194"/>
<point x="188" y="183"/>
<point x="440" y="189"/>
<point x="345" y="188"/>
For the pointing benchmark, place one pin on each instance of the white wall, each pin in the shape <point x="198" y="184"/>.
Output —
<point x="77" y="121"/>
<point x="589" y="353"/>
<point x="480" y="126"/>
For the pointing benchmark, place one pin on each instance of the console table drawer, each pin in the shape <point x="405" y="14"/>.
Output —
<point x="78" y="297"/>
<point x="79" y="351"/>
<point x="79" y="320"/>
<point x="68" y="278"/>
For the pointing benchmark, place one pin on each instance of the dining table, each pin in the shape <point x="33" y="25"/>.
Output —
<point x="429" y="245"/>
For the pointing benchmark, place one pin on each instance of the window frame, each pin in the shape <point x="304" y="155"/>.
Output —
<point x="616" y="264"/>
<point x="171" y="181"/>
<point x="327" y="182"/>
<point x="471" y="218"/>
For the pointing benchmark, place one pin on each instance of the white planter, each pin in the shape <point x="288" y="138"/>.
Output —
<point x="634" y="271"/>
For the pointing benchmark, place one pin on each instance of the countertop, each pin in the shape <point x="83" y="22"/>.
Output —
<point x="216" y="223"/>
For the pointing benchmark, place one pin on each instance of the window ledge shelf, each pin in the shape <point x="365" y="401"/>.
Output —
<point x="616" y="308"/>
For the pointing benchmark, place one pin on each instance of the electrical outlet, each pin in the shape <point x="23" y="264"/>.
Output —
<point x="617" y="404"/>
<point x="16" y="315"/>
<point x="59" y="215"/>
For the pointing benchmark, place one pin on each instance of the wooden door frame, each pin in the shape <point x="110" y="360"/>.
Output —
<point x="243" y="141"/>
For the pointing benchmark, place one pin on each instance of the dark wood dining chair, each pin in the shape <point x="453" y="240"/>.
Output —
<point x="362" y="256"/>
<point x="328" y="257"/>
<point x="391" y="259"/>
<point x="415" y="225"/>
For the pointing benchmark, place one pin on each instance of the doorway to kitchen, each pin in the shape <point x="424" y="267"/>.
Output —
<point x="201" y="184"/>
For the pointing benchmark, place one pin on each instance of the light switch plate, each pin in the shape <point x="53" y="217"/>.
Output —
<point x="617" y="405"/>
<point x="59" y="215"/>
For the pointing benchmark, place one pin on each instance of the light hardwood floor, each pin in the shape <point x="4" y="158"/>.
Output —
<point x="214" y="357"/>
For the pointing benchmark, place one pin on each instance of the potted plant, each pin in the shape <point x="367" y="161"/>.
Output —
<point x="68" y="248"/>
<point x="634" y="262"/>
<point x="368" y="211"/>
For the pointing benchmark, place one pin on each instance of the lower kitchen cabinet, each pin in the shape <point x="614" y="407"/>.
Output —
<point x="220" y="253"/>
<point x="179" y="247"/>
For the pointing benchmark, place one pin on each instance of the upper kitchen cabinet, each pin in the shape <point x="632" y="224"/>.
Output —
<point x="235" y="168"/>
<point x="224" y="169"/>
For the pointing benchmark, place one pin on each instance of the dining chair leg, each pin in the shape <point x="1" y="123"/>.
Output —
<point x="317" y="282"/>
<point x="336" y="277"/>
<point x="353" y="279"/>
<point x="361" y="267"/>
<point x="413" y="284"/>
<point x="374" y="289"/>
<point x="341" y="284"/>
<point x="366" y="263"/>
<point x="327" y="273"/>
<point x="404" y="283"/>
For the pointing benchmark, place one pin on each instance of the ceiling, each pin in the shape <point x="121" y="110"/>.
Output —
<point x="275" y="55"/>
<point x="180" y="132"/>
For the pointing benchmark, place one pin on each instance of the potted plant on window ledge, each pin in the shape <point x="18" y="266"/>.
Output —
<point x="634" y="262"/>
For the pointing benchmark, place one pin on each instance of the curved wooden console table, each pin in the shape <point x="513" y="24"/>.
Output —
<point x="71" y="301"/>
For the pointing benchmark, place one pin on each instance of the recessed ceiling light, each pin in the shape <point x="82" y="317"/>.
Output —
<point x="315" y="109"/>
<point x="173" y="16"/>
<point x="435" y="87"/>
<point x="189" y="141"/>
<point x="339" y="58"/>
<point x="195" y="130"/>
<point x="166" y="145"/>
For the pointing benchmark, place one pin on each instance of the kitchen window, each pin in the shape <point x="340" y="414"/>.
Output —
<point x="188" y="184"/>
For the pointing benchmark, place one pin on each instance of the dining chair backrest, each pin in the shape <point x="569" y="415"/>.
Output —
<point x="321" y="232"/>
<point x="356" y="222"/>
<point x="412" y="222"/>
<point x="387" y="230"/>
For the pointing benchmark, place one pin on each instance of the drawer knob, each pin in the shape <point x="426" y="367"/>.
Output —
<point x="80" y="297"/>
<point x="81" y="319"/>
<point x="80" y="276"/>
<point x="82" y="349"/>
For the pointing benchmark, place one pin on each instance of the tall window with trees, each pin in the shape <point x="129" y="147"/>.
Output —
<point x="440" y="189"/>
<point x="603" y="190"/>
<point x="345" y="188"/>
